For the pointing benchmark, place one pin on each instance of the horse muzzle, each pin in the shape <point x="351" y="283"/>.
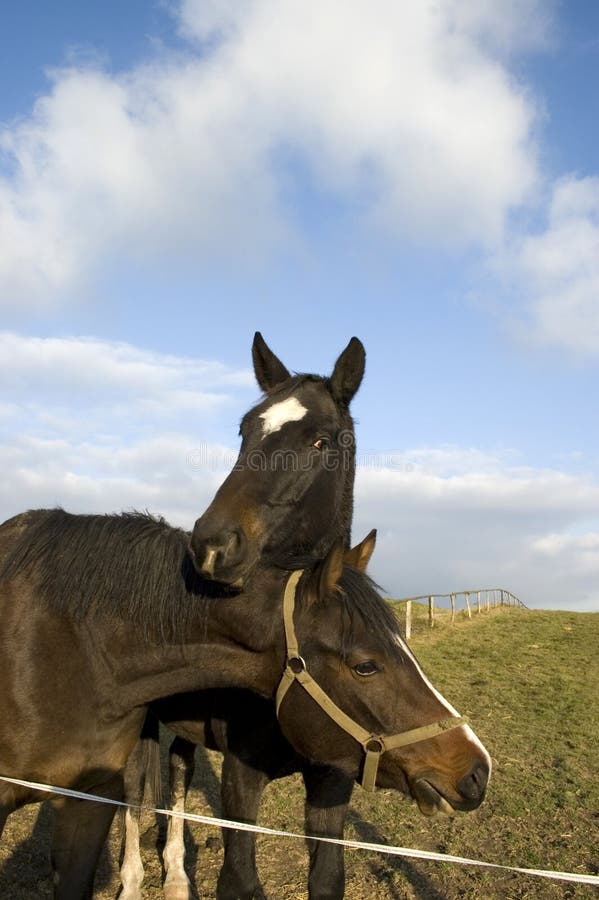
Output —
<point x="222" y="555"/>
<point x="434" y="798"/>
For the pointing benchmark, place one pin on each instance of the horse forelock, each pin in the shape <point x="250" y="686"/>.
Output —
<point x="360" y="606"/>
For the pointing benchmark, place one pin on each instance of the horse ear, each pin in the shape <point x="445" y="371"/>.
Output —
<point x="349" y="371"/>
<point x="268" y="368"/>
<point x="331" y="569"/>
<point x="359" y="556"/>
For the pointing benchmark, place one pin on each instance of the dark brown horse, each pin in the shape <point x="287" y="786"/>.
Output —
<point x="291" y="489"/>
<point x="101" y="615"/>
<point x="290" y="493"/>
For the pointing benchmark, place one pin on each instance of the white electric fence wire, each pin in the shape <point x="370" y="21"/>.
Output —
<point x="352" y="845"/>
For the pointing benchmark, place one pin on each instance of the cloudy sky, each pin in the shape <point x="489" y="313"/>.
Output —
<point x="424" y="175"/>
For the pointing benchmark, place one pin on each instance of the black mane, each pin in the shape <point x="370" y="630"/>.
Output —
<point x="130" y="566"/>
<point x="136" y="567"/>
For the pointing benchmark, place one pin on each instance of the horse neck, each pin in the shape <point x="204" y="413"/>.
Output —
<point x="235" y="642"/>
<point x="341" y="523"/>
<point x="347" y="503"/>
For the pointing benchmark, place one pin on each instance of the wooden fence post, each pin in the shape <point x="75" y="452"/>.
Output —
<point x="431" y="611"/>
<point x="452" y="599"/>
<point x="408" y="619"/>
<point x="488" y="602"/>
<point x="467" y="595"/>
<point x="478" y="602"/>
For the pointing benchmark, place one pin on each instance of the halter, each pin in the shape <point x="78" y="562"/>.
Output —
<point x="374" y="745"/>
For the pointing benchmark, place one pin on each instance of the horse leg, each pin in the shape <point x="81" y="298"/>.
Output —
<point x="181" y="767"/>
<point x="242" y="788"/>
<point x="132" y="869"/>
<point x="143" y="767"/>
<point x="4" y="814"/>
<point x="327" y="798"/>
<point x="80" y="829"/>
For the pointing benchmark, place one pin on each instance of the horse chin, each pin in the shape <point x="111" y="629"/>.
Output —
<point x="430" y="801"/>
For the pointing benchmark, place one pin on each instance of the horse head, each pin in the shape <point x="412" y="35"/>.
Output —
<point x="354" y="696"/>
<point x="291" y="489"/>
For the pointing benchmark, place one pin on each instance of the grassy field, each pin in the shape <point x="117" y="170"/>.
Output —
<point x="528" y="680"/>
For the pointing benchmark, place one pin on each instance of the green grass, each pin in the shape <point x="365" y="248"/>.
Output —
<point x="528" y="680"/>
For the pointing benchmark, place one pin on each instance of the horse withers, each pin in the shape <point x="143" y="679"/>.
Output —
<point x="101" y="615"/>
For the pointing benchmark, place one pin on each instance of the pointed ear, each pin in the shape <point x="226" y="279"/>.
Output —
<point x="269" y="370"/>
<point x="331" y="570"/>
<point x="359" y="556"/>
<point x="349" y="371"/>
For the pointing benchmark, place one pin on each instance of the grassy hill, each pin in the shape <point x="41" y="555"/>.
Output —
<point x="528" y="680"/>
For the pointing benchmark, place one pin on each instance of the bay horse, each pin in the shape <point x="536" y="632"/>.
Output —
<point x="101" y="615"/>
<point x="291" y="489"/>
<point x="290" y="493"/>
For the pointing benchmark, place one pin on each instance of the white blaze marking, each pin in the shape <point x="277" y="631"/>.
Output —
<point x="451" y="709"/>
<point x="279" y="414"/>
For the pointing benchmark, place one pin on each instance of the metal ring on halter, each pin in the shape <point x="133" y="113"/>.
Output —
<point x="297" y="664"/>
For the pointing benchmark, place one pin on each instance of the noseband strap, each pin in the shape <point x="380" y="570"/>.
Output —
<point x="374" y="745"/>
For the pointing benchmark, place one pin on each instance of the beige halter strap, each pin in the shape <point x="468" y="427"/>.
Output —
<point x="374" y="745"/>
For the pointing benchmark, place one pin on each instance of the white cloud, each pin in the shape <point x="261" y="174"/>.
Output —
<point x="403" y="110"/>
<point x="491" y="527"/>
<point x="580" y="552"/>
<point x="73" y="370"/>
<point x="155" y="474"/>
<point x="95" y="425"/>
<point x="557" y="270"/>
<point x="508" y="26"/>
<point x="437" y="533"/>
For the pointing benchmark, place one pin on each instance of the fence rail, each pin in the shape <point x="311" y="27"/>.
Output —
<point x="493" y="597"/>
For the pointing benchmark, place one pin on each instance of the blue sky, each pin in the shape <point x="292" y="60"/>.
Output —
<point x="174" y="176"/>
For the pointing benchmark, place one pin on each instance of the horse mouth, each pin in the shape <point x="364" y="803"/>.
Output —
<point x="430" y="800"/>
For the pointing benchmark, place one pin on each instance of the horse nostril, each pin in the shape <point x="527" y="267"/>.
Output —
<point x="215" y="554"/>
<point x="474" y="785"/>
<point x="233" y="544"/>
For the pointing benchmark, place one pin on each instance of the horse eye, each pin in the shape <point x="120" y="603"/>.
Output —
<point x="368" y="667"/>
<point x="320" y="444"/>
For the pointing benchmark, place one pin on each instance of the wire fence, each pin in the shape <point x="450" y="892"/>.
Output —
<point x="464" y="603"/>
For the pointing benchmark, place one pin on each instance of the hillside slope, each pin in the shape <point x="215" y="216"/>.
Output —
<point x="528" y="680"/>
